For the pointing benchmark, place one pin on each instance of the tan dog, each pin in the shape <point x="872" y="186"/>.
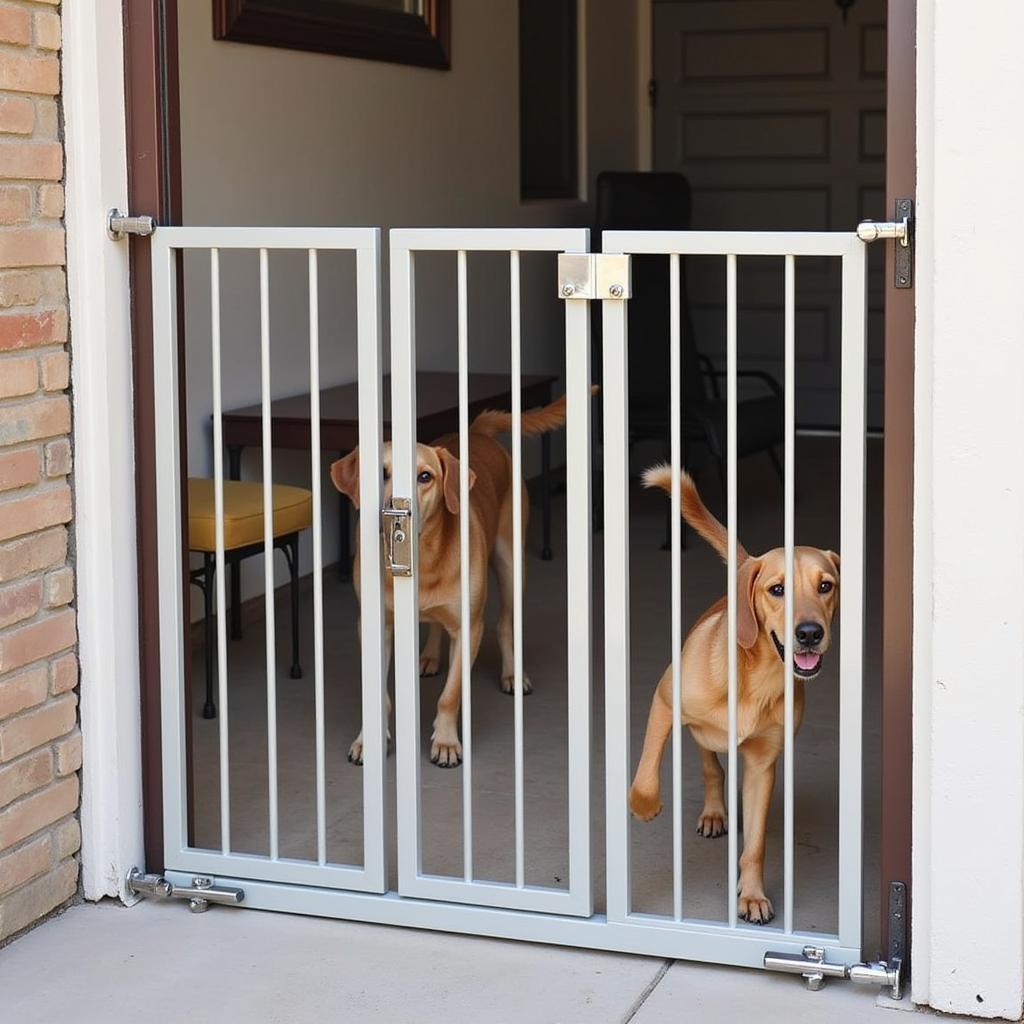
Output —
<point x="760" y="627"/>
<point x="490" y="541"/>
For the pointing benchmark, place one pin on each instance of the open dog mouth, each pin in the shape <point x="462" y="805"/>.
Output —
<point x="805" y="663"/>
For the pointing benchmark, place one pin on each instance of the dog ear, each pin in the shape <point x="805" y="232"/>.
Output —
<point x="450" y="479"/>
<point x="747" y="626"/>
<point x="834" y="559"/>
<point x="345" y="475"/>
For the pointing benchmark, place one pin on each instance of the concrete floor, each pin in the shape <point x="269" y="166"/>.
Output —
<point x="546" y="786"/>
<point x="103" y="964"/>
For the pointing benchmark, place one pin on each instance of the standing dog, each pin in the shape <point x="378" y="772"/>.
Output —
<point x="760" y="622"/>
<point x="438" y="570"/>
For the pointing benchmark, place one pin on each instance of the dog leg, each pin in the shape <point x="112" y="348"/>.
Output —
<point x="645" y="793"/>
<point x="713" y="821"/>
<point x="502" y="562"/>
<point x="445" y="748"/>
<point x="430" y="656"/>
<point x="355" y="752"/>
<point x="759" y="757"/>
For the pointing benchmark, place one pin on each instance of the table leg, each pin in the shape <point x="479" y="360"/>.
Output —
<point x="235" y="473"/>
<point x="344" y="542"/>
<point x="545" y="495"/>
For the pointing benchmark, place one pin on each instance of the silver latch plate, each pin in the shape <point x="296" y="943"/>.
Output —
<point x="396" y="527"/>
<point x="594" y="276"/>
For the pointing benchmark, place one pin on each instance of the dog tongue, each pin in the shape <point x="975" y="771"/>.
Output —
<point x="807" y="660"/>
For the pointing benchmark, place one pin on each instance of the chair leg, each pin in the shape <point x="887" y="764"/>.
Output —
<point x="292" y="555"/>
<point x="209" y="708"/>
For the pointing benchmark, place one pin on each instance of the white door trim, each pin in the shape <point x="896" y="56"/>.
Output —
<point x="104" y="482"/>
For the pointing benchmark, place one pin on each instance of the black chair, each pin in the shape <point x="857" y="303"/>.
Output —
<point x="662" y="201"/>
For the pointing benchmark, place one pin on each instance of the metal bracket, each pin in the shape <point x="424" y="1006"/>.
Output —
<point x="120" y="224"/>
<point x="594" y="276"/>
<point x="897" y="950"/>
<point x="814" y="969"/>
<point x="200" y="894"/>
<point x="902" y="229"/>
<point x="396" y="527"/>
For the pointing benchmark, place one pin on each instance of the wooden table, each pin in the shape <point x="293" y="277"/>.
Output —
<point x="437" y="412"/>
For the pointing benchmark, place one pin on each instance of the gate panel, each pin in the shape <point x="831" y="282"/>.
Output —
<point x="180" y="856"/>
<point x="576" y="899"/>
<point x="731" y="246"/>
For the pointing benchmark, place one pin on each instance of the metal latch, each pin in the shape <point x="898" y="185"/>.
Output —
<point x="814" y="968"/>
<point x="120" y="224"/>
<point x="200" y="894"/>
<point x="396" y="526"/>
<point x="599" y="275"/>
<point x="902" y="229"/>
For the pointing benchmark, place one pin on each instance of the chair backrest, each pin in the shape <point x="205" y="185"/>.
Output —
<point x="629" y="200"/>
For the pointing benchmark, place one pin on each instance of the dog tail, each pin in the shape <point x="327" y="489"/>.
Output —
<point x="535" y="422"/>
<point x="695" y="512"/>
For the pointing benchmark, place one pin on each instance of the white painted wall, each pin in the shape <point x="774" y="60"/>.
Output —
<point x="969" y="513"/>
<point x="273" y="136"/>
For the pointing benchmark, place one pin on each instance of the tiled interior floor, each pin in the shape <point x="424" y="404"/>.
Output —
<point x="546" y="785"/>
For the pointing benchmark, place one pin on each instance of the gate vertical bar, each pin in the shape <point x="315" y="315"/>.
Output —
<point x="851" y="539"/>
<point x="616" y="602"/>
<point x="579" y="589"/>
<point x="406" y="602"/>
<point x="268" y="555"/>
<point x="466" y="626"/>
<point x="675" y="422"/>
<point x="218" y="502"/>
<point x="789" y="454"/>
<point x="733" y="526"/>
<point x="318" y="559"/>
<point x="517" y="560"/>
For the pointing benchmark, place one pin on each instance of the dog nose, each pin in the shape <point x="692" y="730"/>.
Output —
<point x="810" y="634"/>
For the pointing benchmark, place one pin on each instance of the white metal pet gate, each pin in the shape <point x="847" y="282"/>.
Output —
<point x="466" y="903"/>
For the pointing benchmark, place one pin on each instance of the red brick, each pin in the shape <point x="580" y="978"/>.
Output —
<point x="19" y="469"/>
<point x="32" y="420"/>
<point x="16" y="26"/>
<point x="17" y="115"/>
<point x="21" y="288"/>
<point x="20" y="601"/>
<point x="59" y="587"/>
<point x="38" y="898"/>
<point x="26" y="775"/>
<point x="25" y="863"/>
<point x="67" y="838"/>
<point x="47" y="31"/>
<point x="47" y="121"/>
<point x="37" y="160"/>
<point x="29" y="330"/>
<point x="33" y="642"/>
<point x="18" y="377"/>
<point x="37" y="811"/>
<point x="30" y="554"/>
<point x="57" y="458"/>
<point x="15" y="204"/>
<point x="51" y="201"/>
<point x="56" y="371"/>
<point x="32" y="729"/>
<point x="25" y="690"/>
<point x="69" y="753"/>
<point x="32" y="247"/>
<point x="29" y="74"/>
<point x="63" y="674"/>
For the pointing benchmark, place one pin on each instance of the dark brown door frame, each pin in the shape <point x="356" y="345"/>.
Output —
<point x="154" y="187"/>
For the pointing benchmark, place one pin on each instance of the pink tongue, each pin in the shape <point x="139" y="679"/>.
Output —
<point x="807" y="660"/>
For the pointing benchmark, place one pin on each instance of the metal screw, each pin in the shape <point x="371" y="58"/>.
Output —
<point x="567" y="289"/>
<point x="616" y="291"/>
<point x="903" y="279"/>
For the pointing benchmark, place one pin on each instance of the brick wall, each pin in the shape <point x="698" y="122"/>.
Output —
<point x="40" y="745"/>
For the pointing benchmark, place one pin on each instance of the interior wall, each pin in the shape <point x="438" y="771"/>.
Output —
<point x="272" y="136"/>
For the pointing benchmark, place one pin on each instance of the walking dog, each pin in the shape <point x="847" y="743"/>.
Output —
<point x="760" y="627"/>
<point x="490" y="542"/>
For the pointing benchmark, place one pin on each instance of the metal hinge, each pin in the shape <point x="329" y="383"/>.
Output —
<point x="902" y="229"/>
<point x="396" y="527"/>
<point x="814" y="968"/>
<point x="120" y="224"/>
<point x="594" y="276"/>
<point x="200" y="894"/>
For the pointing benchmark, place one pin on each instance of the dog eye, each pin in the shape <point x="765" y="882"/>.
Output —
<point x="776" y="590"/>
<point x="824" y="586"/>
<point x="425" y="477"/>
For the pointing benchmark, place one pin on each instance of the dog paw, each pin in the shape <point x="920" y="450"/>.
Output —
<point x="508" y="685"/>
<point x="755" y="909"/>
<point x="355" y="752"/>
<point x="429" y="666"/>
<point x="644" y="806"/>
<point x="712" y="824"/>
<point x="446" y="755"/>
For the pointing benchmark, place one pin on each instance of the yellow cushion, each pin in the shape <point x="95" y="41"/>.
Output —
<point x="243" y="513"/>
